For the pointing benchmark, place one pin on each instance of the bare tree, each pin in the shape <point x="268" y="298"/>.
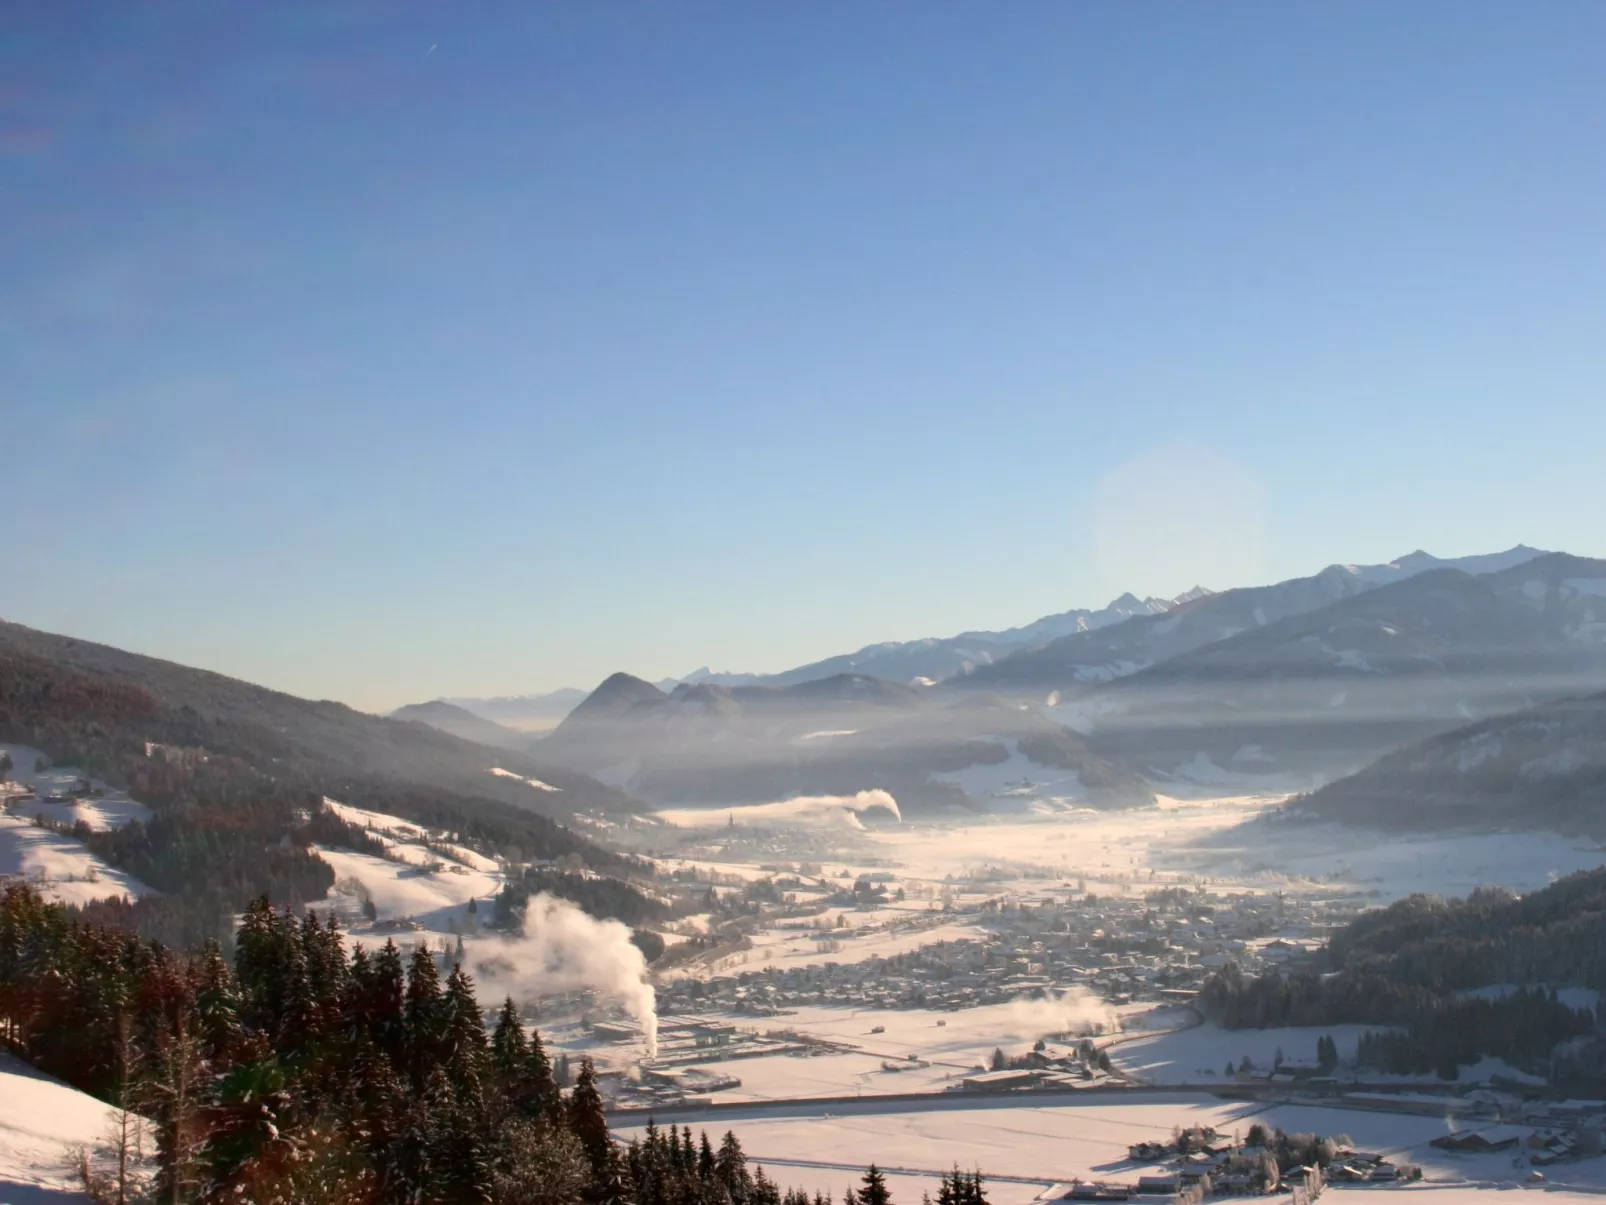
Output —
<point x="175" y="1094"/>
<point x="116" y="1177"/>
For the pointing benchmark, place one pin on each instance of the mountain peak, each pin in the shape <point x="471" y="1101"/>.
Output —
<point x="618" y="694"/>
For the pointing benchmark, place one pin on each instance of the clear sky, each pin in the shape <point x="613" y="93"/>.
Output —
<point x="386" y="351"/>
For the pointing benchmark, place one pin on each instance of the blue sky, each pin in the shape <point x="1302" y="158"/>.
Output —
<point x="384" y="351"/>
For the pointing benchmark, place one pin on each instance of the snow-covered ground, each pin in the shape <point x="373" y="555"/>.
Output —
<point x="412" y="892"/>
<point x="817" y="1146"/>
<point x="1200" y="1054"/>
<point x="1018" y="784"/>
<point x="955" y="1044"/>
<point x="61" y="868"/>
<point x="381" y="824"/>
<point x="50" y="793"/>
<point x="533" y="783"/>
<point x="412" y="882"/>
<point x="785" y="949"/>
<point x="786" y="1077"/>
<point x="43" y="1124"/>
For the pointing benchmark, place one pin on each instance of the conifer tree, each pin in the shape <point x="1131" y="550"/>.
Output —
<point x="540" y="1164"/>
<point x="384" y="1006"/>
<point x="463" y="1031"/>
<point x="543" y="1088"/>
<point x="587" y="1119"/>
<point x="423" y="1018"/>
<point x="217" y="1004"/>
<point x="509" y="1048"/>
<point x="730" y="1169"/>
<point x="874" y="1190"/>
<point x="465" y="1159"/>
<point x="299" y="1017"/>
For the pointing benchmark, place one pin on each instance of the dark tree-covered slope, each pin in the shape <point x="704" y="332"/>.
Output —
<point x="268" y="727"/>
<point x="1542" y="767"/>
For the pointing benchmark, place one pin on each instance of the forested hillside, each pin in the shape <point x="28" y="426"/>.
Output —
<point x="235" y="777"/>
<point x="42" y="674"/>
<point x="1416" y="963"/>
<point x="1538" y="767"/>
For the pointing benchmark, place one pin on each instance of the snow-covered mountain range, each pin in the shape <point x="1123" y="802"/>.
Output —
<point x="1299" y="682"/>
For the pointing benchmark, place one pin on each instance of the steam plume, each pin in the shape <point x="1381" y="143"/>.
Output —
<point x="564" y="950"/>
<point x="1075" y="1011"/>
<point x="804" y="811"/>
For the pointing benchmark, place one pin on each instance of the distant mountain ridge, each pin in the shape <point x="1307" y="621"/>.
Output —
<point x="1297" y="682"/>
<point x="935" y="659"/>
<point x="1114" y="651"/>
<point x="522" y="713"/>
<point x="1329" y="690"/>
<point x="907" y="661"/>
<point x="708" y="743"/>
<point x="459" y="721"/>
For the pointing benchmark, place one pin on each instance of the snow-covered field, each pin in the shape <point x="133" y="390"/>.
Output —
<point x="413" y="883"/>
<point x="785" y="1077"/>
<point x="1018" y="784"/>
<point x="1200" y="1054"/>
<point x="818" y="1146"/>
<point x="51" y="788"/>
<point x="795" y="948"/>
<point x="61" y="866"/>
<point x="961" y="1040"/>
<point x="43" y="1124"/>
<point x="413" y="892"/>
<point x="63" y="869"/>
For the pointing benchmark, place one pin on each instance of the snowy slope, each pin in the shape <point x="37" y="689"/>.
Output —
<point x="61" y="866"/>
<point x="48" y="792"/>
<point x="412" y="883"/>
<point x="43" y="1123"/>
<point x="63" y="869"/>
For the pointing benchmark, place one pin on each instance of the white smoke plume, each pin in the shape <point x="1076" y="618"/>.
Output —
<point x="1074" y="1011"/>
<point x="805" y="811"/>
<point x="564" y="950"/>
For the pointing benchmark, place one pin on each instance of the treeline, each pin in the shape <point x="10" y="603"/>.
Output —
<point x="1555" y="935"/>
<point x="307" y="1073"/>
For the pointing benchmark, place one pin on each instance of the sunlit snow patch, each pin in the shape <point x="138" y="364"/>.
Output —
<point x="532" y="782"/>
